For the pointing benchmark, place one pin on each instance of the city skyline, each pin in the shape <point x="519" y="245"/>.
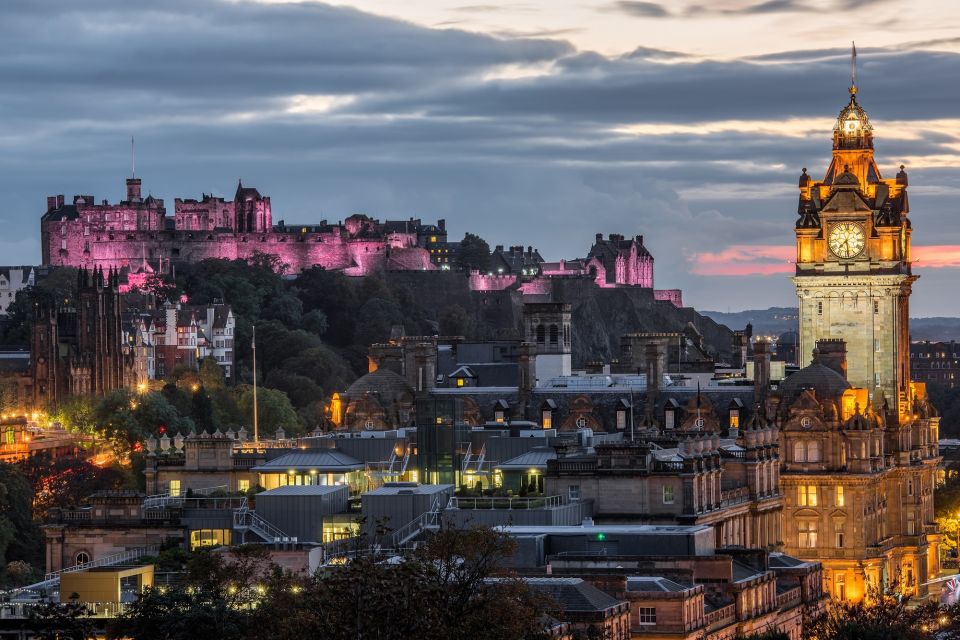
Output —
<point x="530" y="138"/>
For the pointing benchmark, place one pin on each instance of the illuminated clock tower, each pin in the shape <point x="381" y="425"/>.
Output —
<point x="853" y="274"/>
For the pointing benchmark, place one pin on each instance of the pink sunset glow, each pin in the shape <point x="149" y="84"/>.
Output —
<point x="772" y="259"/>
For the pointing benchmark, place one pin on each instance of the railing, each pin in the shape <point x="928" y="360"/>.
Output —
<point x="721" y="616"/>
<point x="166" y="500"/>
<point x="21" y="610"/>
<point x="83" y="514"/>
<point x="734" y="496"/>
<point x="244" y="518"/>
<point x="245" y="463"/>
<point x="116" y="558"/>
<point x="412" y="529"/>
<point x="546" y="502"/>
<point x="789" y="598"/>
<point x="666" y="465"/>
<point x="567" y="467"/>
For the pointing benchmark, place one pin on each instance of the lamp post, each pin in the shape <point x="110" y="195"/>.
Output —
<point x="253" y="348"/>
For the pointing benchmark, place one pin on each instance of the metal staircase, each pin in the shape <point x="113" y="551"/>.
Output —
<point x="429" y="521"/>
<point x="53" y="578"/>
<point x="245" y="519"/>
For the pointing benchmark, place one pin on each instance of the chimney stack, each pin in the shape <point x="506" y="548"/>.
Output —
<point x="761" y="370"/>
<point x="832" y="353"/>
<point x="133" y="189"/>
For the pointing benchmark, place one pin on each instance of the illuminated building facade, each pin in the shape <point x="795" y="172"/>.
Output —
<point x="859" y="437"/>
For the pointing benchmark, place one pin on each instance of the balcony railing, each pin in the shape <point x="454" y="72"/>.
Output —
<point x="722" y="616"/>
<point x="547" y="502"/>
<point x="789" y="598"/>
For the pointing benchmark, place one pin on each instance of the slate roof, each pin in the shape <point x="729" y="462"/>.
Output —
<point x="574" y="594"/>
<point x="536" y="458"/>
<point x="654" y="583"/>
<point x="827" y="383"/>
<point x="383" y="381"/>
<point x="323" y="461"/>
<point x="302" y="490"/>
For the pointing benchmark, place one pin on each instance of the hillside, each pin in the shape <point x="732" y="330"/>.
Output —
<point x="777" y="320"/>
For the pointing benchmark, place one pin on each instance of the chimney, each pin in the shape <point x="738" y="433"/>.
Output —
<point x="527" y="367"/>
<point x="599" y="238"/>
<point x="761" y="370"/>
<point x="51" y="203"/>
<point x="133" y="189"/>
<point x="442" y="224"/>
<point x="832" y="353"/>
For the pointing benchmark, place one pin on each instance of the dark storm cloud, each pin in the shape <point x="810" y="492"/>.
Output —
<point x="430" y="126"/>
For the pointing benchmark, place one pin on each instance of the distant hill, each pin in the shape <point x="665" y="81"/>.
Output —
<point x="777" y="320"/>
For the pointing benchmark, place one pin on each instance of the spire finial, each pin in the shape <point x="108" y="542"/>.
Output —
<point x="853" y="68"/>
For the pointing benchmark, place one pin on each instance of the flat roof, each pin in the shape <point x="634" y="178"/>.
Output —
<point x="303" y="490"/>
<point x="645" y="529"/>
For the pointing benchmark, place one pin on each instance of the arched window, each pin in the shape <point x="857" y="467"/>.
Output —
<point x="540" y="334"/>
<point x="800" y="451"/>
<point x="554" y="334"/>
<point x="813" y="451"/>
<point x="82" y="557"/>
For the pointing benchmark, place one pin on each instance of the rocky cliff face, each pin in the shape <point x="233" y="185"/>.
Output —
<point x="600" y="316"/>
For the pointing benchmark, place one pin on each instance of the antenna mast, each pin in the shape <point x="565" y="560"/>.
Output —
<point x="133" y="158"/>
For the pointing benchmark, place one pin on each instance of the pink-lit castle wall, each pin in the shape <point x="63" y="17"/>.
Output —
<point x="135" y="235"/>
<point x="137" y="231"/>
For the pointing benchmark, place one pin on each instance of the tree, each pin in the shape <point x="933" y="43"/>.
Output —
<point x="273" y="410"/>
<point x="454" y="321"/>
<point x="314" y="322"/>
<point x="66" y="481"/>
<point x="474" y="253"/>
<point x="883" y="614"/>
<point x="376" y="319"/>
<point x="61" y="621"/>
<point x="333" y="294"/>
<point x="19" y="538"/>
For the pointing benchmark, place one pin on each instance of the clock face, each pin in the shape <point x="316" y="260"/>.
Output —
<point x="846" y="239"/>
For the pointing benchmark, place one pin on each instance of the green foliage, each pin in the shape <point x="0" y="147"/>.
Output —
<point x="375" y="320"/>
<point x="126" y="419"/>
<point x="273" y="409"/>
<point x="882" y="615"/>
<point x="19" y="537"/>
<point x="454" y="321"/>
<point x="61" y="621"/>
<point x="66" y="481"/>
<point x="474" y="253"/>
<point x="445" y="585"/>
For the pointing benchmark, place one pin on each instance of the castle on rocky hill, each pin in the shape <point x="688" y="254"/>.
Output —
<point x="136" y="237"/>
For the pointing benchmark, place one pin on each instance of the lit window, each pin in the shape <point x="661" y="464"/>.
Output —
<point x="840" y="498"/>
<point x="498" y="416"/>
<point x="243" y="485"/>
<point x="460" y="382"/>
<point x="547" y="419"/>
<point x="807" y="534"/>
<point x="175" y="488"/>
<point x="668" y="495"/>
<point x="433" y="238"/>
<point x="807" y="495"/>
<point x="734" y="419"/>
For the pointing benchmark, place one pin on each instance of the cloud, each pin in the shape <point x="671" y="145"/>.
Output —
<point x="641" y="9"/>
<point x="524" y="140"/>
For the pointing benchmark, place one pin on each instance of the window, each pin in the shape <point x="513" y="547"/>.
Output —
<point x="621" y="420"/>
<point x="554" y="334"/>
<point x="175" y="488"/>
<point x="876" y="345"/>
<point x="734" y="419"/>
<point x="807" y="495"/>
<point x="498" y="416"/>
<point x="819" y="308"/>
<point x="647" y="615"/>
<point x="840" y="498"/>
<point x="876" y="306"/>
<point x="82" y="558"/>
<point x="840" y="590"/>
<point x="243" y="485"/>
<point x="209" y="538"/>
<point x="909" y="486"/>
<point x="573" y="492"/>
<point x="807" y="534"/>
<point x="668" y="495"/>
<point x="459" y="382"/>
<point x="838" y="533"/>
<point x="547" y="419"/>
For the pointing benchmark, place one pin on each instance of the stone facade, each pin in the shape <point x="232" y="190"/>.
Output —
<point x="859" y="437"/>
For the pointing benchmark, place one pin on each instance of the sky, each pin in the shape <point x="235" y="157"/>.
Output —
<point x="538" y="122"/>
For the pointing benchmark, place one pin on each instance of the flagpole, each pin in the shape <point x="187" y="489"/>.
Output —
<point x="253" y="348"/>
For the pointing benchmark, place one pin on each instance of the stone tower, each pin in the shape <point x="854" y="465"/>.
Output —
<point x="853" y="274"/>
<point x="547" y="326"/>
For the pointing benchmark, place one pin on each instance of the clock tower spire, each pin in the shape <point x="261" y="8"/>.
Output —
<point x="853" y="273"/>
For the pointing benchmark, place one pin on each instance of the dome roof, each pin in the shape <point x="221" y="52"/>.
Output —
<point x="826" y="383"/>
<point x="788" y="338"/>
<point x="383" y="381"/>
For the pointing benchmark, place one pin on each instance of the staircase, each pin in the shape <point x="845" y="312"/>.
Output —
<point x="245" y="519"/>
<point x="53" y="578"/>
<point x="429" y="521"/>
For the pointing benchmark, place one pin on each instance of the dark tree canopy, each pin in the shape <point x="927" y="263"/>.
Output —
<point x="474" y="253"/>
